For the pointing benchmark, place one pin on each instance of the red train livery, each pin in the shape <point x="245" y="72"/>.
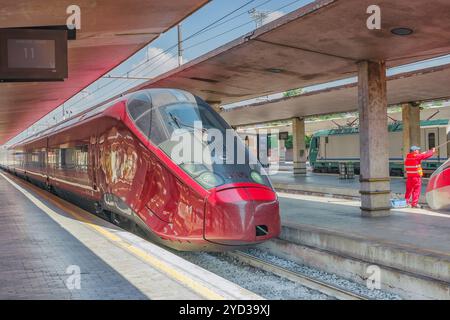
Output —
<point x="115" y="161"/>
<point x="438" y="188"/>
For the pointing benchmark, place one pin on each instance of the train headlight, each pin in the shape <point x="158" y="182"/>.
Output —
<point x="209" y="180"/>
<point x="257" y="177"/>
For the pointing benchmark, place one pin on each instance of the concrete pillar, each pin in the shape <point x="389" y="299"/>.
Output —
<point x="299" y="147"/>
<point x="374" y="144"/>
<point x="411" y="126"/>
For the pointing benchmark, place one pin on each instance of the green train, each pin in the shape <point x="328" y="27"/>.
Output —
<point x="328" y="148"/>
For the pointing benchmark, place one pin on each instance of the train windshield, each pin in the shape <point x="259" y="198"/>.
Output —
<point x="195" y="137"/>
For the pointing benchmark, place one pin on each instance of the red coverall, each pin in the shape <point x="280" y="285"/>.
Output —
<point x="414" y="175"/>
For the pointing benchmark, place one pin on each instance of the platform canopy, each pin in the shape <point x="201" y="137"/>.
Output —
<point x="111" y="31"/>
<point x="415" y="86"/>
<point x="320" y="42"/>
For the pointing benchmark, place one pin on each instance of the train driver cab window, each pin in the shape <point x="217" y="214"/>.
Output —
<point x="431" y="140"/>
<point x="163" y="115"/>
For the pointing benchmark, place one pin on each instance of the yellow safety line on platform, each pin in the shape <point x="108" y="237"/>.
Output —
<point x="155" y="262"/>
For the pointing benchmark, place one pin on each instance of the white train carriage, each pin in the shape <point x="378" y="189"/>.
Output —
<point x="330" y="147"/>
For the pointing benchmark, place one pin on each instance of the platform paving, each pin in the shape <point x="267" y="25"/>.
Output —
<point x="36" y="253"/>
<point x="417" y="228"/>
<point x="412" y="246"/>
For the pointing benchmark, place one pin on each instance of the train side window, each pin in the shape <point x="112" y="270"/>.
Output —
<point x="81" y="158"/>
<point x="51" y="158"/>
<point x="144" y="122"/>
<point x="74" y="158"/>
<point x="313" y="143"/>
<point x="62" y="158"/>
<point x="138" y="104"/>
<point x="326" y="139"/>
<point x="37" y="158"/>
<point x="159" y="132"/>
<point x="431" y="140"/>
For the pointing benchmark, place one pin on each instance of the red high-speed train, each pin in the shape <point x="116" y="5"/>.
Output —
<point x="115" y="160"/>
<point x="438" y="188"/>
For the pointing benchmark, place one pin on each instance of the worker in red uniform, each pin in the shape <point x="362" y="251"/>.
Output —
<point x="414" y="174"/>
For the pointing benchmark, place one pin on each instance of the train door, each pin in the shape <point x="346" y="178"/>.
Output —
<point x="313" y="150"/>
<point x="46" y="164"/>
<point x="322" y="147"/>
<point x="93" y="160"/>
<point x="51" y="163"/>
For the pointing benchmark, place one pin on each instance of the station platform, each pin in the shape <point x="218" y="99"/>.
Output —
<point x="331" y="185"/>
<point x="411" y="247"/>
<point x="51" y="249"/>
<point x="44" y="240"/>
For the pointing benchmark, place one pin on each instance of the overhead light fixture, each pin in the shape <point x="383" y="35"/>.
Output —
<point x="275" y="70"/>
<point x="402" y="31"/>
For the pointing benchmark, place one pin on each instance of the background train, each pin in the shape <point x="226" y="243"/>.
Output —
<point x="329" y="147"/>
<point x="115" y="160"/>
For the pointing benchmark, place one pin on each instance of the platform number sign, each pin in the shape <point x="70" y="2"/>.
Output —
<point x="29" y="53"/>
<point x="33" y="55"/>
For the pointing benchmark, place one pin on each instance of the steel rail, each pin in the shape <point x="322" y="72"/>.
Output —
<point x="309" y="282"/>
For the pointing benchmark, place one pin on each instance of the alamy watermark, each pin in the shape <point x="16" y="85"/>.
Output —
<point x="217" y="147"/>
<point x="374" y="20"/>
<point x="374" y="279"/>
<point x="73" y="282"/>
<point x="74" y="19"/>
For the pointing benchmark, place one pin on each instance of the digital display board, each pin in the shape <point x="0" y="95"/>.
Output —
<point x="24" y="53"/>
<point x="33" y="55"/>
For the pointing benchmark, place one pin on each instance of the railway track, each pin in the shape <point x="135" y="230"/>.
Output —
<point x="311" y="283"/>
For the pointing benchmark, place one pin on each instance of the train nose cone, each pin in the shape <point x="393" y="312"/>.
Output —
<point x="431" y="200"/>
<point x="438" y="189"/>
<point x="240" y="216"/>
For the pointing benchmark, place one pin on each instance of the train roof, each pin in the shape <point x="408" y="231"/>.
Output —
<point x="94" y="110"/>
<point x="70" y="121"/>
<point x="393" y="127"/>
